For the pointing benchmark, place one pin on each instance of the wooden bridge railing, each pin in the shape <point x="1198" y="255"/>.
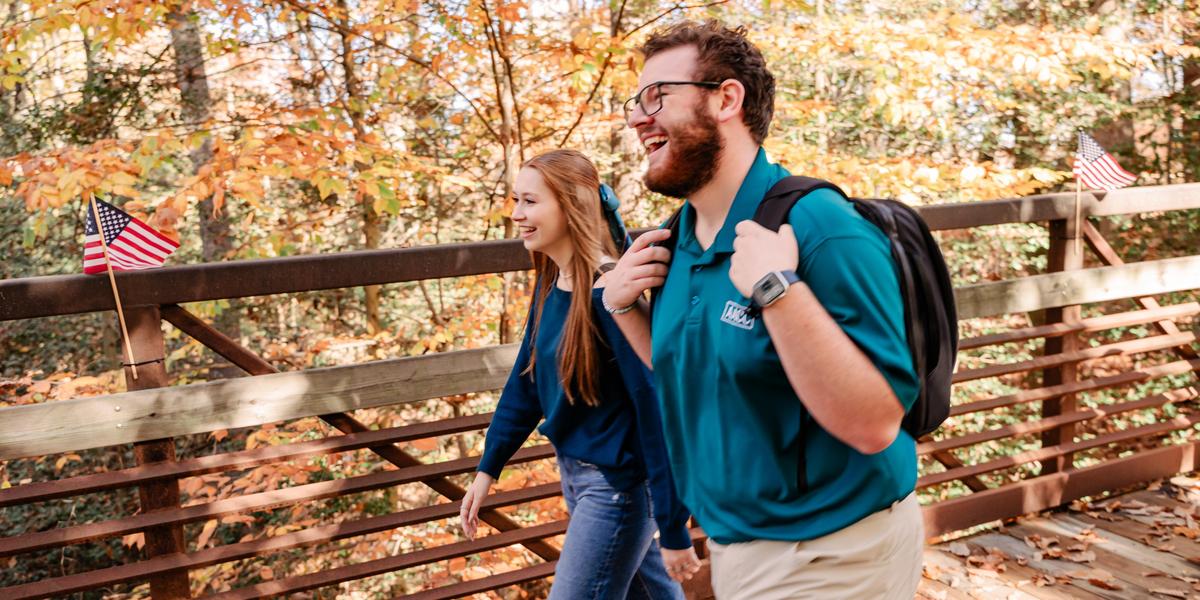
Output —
<point x="150" y="415"/>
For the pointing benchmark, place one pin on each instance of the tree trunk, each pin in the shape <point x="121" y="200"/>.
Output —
<point x="1189" y="101"/>
<point x="195" y="108"/>
<point x="355" y="104"/>
<point x="1118" y="136"/>
<point x="510" y="141"/>
<point x="195" y="105"/>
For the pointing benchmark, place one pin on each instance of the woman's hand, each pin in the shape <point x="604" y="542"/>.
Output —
<point x="681" y="564"/>
<point x="469" y="512"/>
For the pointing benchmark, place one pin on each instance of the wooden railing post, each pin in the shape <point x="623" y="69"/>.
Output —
<point x="1066" y="253"/>
<point x="145" y="336"/>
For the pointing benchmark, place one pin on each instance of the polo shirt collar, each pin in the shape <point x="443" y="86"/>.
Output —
<point x="762" y="175"/>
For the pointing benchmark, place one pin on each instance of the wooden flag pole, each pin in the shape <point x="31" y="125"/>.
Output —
<point x="112" y="280"/>
<point x="1078" y="213"/>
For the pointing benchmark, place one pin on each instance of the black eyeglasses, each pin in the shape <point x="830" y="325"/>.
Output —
<point x="649" y="99"/>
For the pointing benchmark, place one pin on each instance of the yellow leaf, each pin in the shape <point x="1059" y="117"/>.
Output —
<point x="134" y="540"/>
<point x="63" y="460"/>
<point x="206" y="533"/>
<point x="426" y="445"/>
<point x="460" y="181"/>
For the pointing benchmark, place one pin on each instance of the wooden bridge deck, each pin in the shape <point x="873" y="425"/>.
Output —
<point x="1140" y="545"/>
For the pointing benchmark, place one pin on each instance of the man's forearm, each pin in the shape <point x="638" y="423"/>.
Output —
<point x="834" y="379"/>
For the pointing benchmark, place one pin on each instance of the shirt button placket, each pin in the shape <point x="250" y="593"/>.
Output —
<point x="694" y="287"/>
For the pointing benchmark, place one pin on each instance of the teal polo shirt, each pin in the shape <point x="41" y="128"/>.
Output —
<point x="735" y="430"/>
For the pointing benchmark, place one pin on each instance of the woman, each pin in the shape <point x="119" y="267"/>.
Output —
<point x="576" y="371"/>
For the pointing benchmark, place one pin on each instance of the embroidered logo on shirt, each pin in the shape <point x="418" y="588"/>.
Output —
<point x="735" y="314"/>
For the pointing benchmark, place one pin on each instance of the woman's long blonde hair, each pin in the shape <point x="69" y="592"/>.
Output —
<point x="575" y="183"/>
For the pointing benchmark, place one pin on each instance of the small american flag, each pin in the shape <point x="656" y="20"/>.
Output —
<point x="132" y="244"/>
<point x="1097" y="169"/>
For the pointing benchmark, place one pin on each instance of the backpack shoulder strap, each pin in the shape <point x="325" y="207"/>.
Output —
<point x="773" y="211"/>
<point x="672" y="225"/>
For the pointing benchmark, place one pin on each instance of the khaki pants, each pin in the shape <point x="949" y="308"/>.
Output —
<point x="877" y="557"/>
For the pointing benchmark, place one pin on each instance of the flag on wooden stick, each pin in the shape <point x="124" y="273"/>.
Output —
<point x="1096" y="168"/>
<point x="132" y="244"/>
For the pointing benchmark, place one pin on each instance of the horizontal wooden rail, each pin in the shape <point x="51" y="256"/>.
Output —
<point x="140" y="571"/>
<point x="1049" y="491"/>
<point x="1178" y="367"/>
<point x="1162" y="427"/>
<point x="1101" y="323"/>
<point x="294" y="585"/>
<point x="484" y="584"/>
<point x="229" y="461"/>
<point x="1125" y="348"/>
<point x="71" y="294"/>
<point x="71" y="425"/>
<point x="1083" y="286"/>
<point x="1061" y="206"/>
<point x="962" y="441"/>
<point x="253" y="502"/>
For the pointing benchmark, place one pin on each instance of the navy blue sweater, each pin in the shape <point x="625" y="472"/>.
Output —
<point x="622" y="435"/>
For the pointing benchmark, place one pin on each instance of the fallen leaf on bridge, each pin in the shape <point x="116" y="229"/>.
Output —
<point x="1170" y="593"/>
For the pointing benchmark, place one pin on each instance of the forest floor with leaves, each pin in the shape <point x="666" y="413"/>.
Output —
<point x="1143" y="544"/>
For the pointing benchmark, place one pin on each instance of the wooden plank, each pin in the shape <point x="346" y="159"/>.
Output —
<point x="78" y="424"/>
<point x="1048" y="491"/>
<point x="945" y="576"/>
<point x="950" y="443"/>
<point x="30" y="542"/>
<point x="1036" y="395"/>
<point x="1067" y="525"/>
<point x="1125" y="319"/>
<point x="301" y="583"/>
<point x="1049" y="207"/>
<point x="1124" y="567"/>
<point x="1043" y="454"/>
<point x="1135" y="526"/>
<point x="1037" y="292"/>
<point x="71" y="294"/>
<point x="138" y="571"/>
<point x="1022" y="577"/>
<point x="84" y="484"/>
<point x="1054" y="567"/>
<point x="1056" y="359"/>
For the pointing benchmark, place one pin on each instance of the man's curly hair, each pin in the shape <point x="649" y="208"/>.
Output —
<point x="724" y="53"/>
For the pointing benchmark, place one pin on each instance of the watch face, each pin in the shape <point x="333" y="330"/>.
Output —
<point x="768" y="289"/>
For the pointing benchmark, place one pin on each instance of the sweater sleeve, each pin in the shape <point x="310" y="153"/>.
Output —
<point x="517" y="413"/>
<point x="670" y="514"/>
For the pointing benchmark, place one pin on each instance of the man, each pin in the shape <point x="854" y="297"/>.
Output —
<point x="783" y="427"/>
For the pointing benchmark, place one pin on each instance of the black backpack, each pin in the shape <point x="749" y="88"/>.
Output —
<point x="931" y="321"/>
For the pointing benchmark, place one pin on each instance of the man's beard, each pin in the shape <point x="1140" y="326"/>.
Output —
<point x="692" y="160"/>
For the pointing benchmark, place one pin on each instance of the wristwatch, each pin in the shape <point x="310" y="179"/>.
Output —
<point x="772" y="287"/>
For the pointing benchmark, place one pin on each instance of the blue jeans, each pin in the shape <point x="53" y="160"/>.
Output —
<point x="610" y="552"/>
